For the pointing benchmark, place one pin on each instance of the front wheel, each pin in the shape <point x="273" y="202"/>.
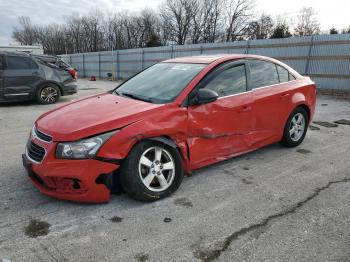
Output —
<point x="48" y="94"/>
<point x="295" y="128"/>
<point x="152" y="171"/>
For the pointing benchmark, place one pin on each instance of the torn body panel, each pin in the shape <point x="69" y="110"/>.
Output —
<point x="171" y="126"/>
<point x="69" y="180"/>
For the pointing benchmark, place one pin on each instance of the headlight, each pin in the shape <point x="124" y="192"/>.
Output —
<point x="82" y="149"/>
<point x="32" y="133"/>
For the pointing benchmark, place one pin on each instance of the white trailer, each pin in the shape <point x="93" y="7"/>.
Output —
<point x="37" y="50"/>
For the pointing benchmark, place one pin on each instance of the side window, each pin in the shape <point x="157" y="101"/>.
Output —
<point x="263" y="73"/>
<point x="19" y="62"/>
<point x="283" y="74"/>
<point x="230" y="81"/>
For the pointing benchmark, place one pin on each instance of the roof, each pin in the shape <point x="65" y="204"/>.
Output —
<point x="207" y="59"/>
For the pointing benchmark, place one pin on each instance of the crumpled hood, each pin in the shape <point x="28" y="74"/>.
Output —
<point x="93" y="115"/>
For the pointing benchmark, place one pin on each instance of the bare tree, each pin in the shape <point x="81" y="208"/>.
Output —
<point x="26" y="35"/>
<point x="307" y="23"/>
<point x="238" y="15"/>
<point x="214" y="14"/>
<point x="205" y="21"/>
<point x="178" y="16"/>
<point x="178" y="21"/>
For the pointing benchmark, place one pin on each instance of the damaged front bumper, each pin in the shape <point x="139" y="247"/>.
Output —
<point x="86" y="180"/>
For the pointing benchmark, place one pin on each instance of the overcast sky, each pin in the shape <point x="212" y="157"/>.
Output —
<point x="330" y="13"/>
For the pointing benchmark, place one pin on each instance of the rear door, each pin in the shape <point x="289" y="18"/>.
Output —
<point x="270" y="101"/>
<point x="221" y="128"/>
<point x="21" y="76"/>
<point x="1" y="77"/>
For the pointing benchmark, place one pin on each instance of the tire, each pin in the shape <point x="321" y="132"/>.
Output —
<point x="48" y="94"/>
<point x="145" y="178"/>
<point x="295" y="128"/>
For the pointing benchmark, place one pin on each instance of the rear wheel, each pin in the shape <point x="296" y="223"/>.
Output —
<point x="151" y="171"/>
<point x="296" y="127"/>
<point x="48" y="94"/>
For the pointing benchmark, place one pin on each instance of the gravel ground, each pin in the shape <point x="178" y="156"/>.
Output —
<point x="274" y="204"/>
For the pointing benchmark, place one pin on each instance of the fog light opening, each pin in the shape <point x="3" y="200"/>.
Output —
<point x="76" y="184"/>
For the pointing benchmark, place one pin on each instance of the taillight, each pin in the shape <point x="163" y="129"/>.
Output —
<point x="73" y="73"/>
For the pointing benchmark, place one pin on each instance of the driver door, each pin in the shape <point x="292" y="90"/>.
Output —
<point x="221" y="128"/>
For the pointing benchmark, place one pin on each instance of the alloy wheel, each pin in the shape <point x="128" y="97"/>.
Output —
<point x="49" y="94"/>
<point x="297" y="127"/>
<point x="156" y="169"/>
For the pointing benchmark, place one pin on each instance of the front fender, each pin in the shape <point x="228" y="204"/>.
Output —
<point x="168" y="126"/>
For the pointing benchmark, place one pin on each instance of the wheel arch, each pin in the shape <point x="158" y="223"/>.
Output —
<point x="306" y="108"/>
<point x="169" y="141"/>
<point x="299" y="100"/>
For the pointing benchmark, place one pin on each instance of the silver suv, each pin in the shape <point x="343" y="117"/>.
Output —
<point x="35" y="77"/>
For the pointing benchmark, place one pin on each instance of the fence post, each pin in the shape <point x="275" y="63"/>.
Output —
<point x="248" y="46"/>
<point x="172" y="51"/>
<point x="142" y="59"/>
<point x="118" y="66"/>
<point x="306" y="72"/>
<point x="99" y="65"/>
<point x="70" y="59"/>
<point x="201" y="49"/>
<point x="84" y="75"/>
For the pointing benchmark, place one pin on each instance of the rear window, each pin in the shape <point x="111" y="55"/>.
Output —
<point x="52" y="61"/>
<point x="19" y="62"/>
<point x="263" y="73"/>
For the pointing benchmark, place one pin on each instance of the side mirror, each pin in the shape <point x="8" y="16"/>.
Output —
<point x="205" y="96"/>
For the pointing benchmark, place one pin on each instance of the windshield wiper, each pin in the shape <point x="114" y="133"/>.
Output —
<point x="142" y="98"/>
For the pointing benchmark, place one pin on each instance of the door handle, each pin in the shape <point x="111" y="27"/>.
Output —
<point x="284" y="95"/>
<point x="246" y="108"/>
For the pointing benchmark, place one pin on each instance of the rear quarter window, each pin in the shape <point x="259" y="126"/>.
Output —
<point x="291" y="77"/>
<point x="20" y="63"/>
<point x="283" y="74"/>
<point x="263" y="73"/>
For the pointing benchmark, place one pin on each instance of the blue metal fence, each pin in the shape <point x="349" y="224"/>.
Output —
<point x="325" y="58"/>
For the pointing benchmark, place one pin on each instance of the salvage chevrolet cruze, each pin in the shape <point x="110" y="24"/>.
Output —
<point x="174" y="117"/>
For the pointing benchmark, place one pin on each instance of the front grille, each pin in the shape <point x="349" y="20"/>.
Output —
<point x="43" y="136"/>
<point x="35" y="152"/>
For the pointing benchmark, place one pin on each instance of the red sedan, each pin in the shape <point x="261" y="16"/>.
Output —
<point x="174" y="117"/>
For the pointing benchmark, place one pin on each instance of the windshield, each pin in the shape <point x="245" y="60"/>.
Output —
<point x="160" y="83"/>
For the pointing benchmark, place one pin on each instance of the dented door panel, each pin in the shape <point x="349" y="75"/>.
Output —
<point x="220" y="128"/>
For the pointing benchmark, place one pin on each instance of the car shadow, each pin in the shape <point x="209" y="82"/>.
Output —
<point x="245" y="156"/>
